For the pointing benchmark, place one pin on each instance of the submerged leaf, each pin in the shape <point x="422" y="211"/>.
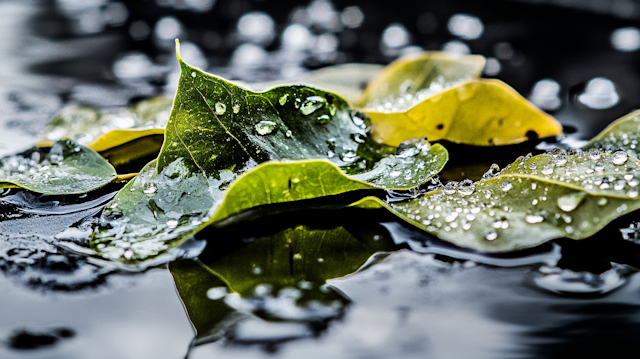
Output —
<point x="623" y="133"/>
<point x="477" y="112"/>
<point x="278" y="277"/>
<point x="217" y="135"/>
<point x="420" y="76"/>
<point x="67" y="168"/>
<point x="530" y="202"/>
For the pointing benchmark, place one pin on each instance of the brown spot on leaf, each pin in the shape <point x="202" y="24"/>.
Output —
<point x="440" y="126"/>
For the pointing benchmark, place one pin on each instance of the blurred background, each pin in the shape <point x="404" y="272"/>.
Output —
<point x="579" y="60"/>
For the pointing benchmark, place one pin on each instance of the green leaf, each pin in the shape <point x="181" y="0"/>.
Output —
<point x="530" y="202"/>
<point x="67" y="168"/>
<point x="217" y="136"/>
<point x="476" y="112"/>
<point x="420" y="74"/>
<point x="299" y="259"/>
<point x="623" y="133"/>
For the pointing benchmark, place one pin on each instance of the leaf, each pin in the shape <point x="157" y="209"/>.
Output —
<point x="477" y="112"/>
<point x="620" y="134"/>
<point x="530" y="202"/>
<point x="67" y="168"/>
<point x="105" y="130"/>
<point x="420" y="74"/>
<point x="347" y="80"/>
<point x="298" y="260"/>
<point x="217" y="136"/>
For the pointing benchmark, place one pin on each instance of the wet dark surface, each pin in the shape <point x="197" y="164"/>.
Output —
<point x="427" y="298"/>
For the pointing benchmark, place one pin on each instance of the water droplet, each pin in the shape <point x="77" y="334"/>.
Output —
<point x="128" y="253"/>
<point x="193" y="74"/>
<point x="311" y="104"/>
<point x="633" y="193"/>
<point x="602" y="201"/>
<point x="571" y="201"/>
<point x="265" y="127"/>
<point x="619" y="158"/>
<point x="236" y="108"/>
<point x="220" y="108"/>
<point x="216" y="293"/>
<point x="172" y="223"/>
<point x="349" y="156"/>
<point x="288" y="133"/>
<point x="619" y="185"/>
<point x="599" y="167"/>
<point x="283" y="99"/>
<point x="466" y="187"/>
<point x="559" y="161"/>
<point x="506" y="185"/>
<point x="547" y="169"/>
<point x="322" y="120"/>
<point x="491" y="235"/>
<point x="595" y="155"/>
<point x="149" y="188"/>
<point x="450" y="188"/>
<point x="534" y="218"/>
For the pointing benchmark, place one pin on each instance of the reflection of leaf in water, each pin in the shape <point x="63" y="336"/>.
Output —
<point x="212" y="164"/>
<point x="277" y="277"/>
<point x="66" y="168"/>
<point x="530" y="202"/>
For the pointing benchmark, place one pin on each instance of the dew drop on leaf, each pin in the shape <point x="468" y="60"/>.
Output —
<point x="466" y="188"/>
<point x="311" y="104"/>
<point x="172" y="223"/>
<point x="506" y="185"/>
<point x="149" y="188"/>
<point x="283" y="99"/>
<point x="220" y="108"/>
<point x="265" y="127"/>
<point x="619" y="158"/>
<point x="236" y="108"/>
<point x="571" y="201"/>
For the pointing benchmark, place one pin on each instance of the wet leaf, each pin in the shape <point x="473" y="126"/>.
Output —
<point x="105" y="130"/>
<point x="420" y="75"/>
<point x="477" y="112"/>
<point x="67" y="168"/>
<point x="217" y="136"/>
<point x="623" y="133"/>
<point x="278" y="277"/>
<point x="530" y="202"/>
<point x="346" y="80"/>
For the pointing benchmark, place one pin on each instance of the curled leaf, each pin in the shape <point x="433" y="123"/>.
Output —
<point x="219" y="133"/>
<point x="530" y="202"/>
<point x="420" y="76"/>
<point x="477" y="112"/>
<point x="66" y="168"/>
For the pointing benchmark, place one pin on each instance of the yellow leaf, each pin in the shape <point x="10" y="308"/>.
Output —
<point x="477" y="112"/>
<point x="419" y="72"/>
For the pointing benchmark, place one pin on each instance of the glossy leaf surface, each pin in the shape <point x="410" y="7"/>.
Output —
<point x="477" y="112"/>
<point x="624" y="133"/>
<point x="67" y="168"/>
<point x="530" y="202"/>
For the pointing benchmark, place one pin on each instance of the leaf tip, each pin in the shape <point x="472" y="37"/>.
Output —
<point x="178" y="49"/>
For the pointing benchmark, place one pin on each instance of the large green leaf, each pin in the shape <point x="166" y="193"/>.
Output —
<point x="208" y="168"/>
<point x="297" y="260"/>
<point x="532" y="201"/>
<point x="66" y="168"/>
<point x="624" y="133"/>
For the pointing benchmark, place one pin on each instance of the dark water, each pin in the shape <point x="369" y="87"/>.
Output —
<point x="578" y="60"/>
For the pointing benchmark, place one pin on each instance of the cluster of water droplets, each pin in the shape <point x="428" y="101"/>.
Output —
<point x="36" y="167"/>
<point x="627" y="140"/>
<point x="407" y="98"/>
<point x="548" y="182"/>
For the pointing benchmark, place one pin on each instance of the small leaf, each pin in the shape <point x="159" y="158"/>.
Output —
<point x="420" y="75"/>
<point x="297" y="260"/>
<point x="104" y="130"/>
<point x="623" y="133"/>
<point x="530" y="202"/>
<point x="477" y="112"/>
<point x="217" y="136"/>
<point x="67" y="168"/>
